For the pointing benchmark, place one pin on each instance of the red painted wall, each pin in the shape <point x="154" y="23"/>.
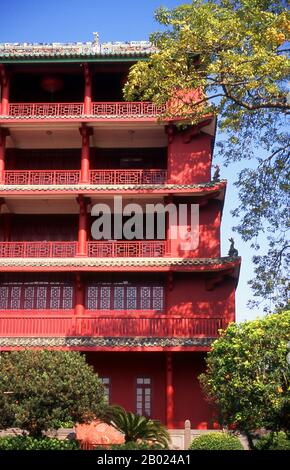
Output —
<point x="190" y="295"/>
<point x="190" y="162"/>
<point x="208" y="237"/>
<point x="123" y="368"/>
<point x="189" y="400"/>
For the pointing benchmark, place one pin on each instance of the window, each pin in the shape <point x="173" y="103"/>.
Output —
<point x="106" y="381"/>
<point x="143" y="396"/>
<point x="124" y="296"/>
<point x="36" y="295"/>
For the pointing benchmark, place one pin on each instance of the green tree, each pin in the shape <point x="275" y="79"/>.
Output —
<point x="247" y="375"/>
<point x="136" y="428"/>
<point x="235" y="52"/>
<point x="39" y="389"/>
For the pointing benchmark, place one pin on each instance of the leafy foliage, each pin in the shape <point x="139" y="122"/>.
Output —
<point x="216" y="441"/>
<point x="247" y="374"/>
<point x="40" y="389"/>
<point x="234" y="53"/>
<point x="30" y="443"/>
<point x="274" y="441"/>
<point x="136" y="428"/>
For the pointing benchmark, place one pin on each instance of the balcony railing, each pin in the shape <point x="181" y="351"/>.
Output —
<point x="71" y="177"/>
<point x="127" y="109"/>
<point x="57" y="324"/>
<point x="135" y="249"/>
<point x="43" y="249"/>
<point x="111" y="249"/>
<point x="128" y="176"/>
<point x="42" y="177"/>
<point x="45" y="110"/>
<point x="103" y="110"/>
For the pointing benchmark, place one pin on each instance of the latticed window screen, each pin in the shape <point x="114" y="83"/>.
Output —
<point x="36" y="296"/>
<point x="124" y="296"/>
<point x="143" y="396"/>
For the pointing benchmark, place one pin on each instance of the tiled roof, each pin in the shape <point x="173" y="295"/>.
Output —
<point x="115" y="187"/>
<point x="87" y="342"/>
<point x="75" y="50"/>
<point x="116" y="262"/>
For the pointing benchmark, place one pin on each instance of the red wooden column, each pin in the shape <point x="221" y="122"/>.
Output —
<point x="88" y="90"/>
<point x="79" y="295"/>
<point x="85" y="132"/>
<point x="5" y="86"/>
<point x="3" y="134"/>
<point x="169" y="392"/>
<point x="83" y="229"/>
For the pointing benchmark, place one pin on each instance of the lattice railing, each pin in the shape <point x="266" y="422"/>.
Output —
<point x="95" y="249"/>
<point x="74" y="110"/>
<point x="127" y="109"/>
<point x="42" y="177"/>
<point x="64" y="177"/>
<point x="134" y="249"/>
<point x="127" y="176"/>
<point x="45" y="110"/>
<point x="43" y="249"/>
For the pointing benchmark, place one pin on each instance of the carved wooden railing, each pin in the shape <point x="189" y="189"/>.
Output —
<point x="103" y="110"/>
<point x="95" y="249"/>
<point x="72" y="177"/>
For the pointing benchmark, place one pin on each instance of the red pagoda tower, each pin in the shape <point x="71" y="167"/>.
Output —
<point x="144" y="311"/>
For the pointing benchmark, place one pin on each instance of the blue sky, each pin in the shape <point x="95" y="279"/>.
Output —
<point x="114" y="20"/>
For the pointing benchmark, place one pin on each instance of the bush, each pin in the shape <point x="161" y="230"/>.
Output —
<point x="273" y="441"/>
<point x="216" y="441"/>
<point x="30" y="443"/>
<point x="39" y="390"/>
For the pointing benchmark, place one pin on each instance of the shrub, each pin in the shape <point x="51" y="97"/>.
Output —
<point x="273" y="441"/>
<point x="136" y="428"/>
<point x="41" y="389"/>
<point x="30" y="443"/>
<point x="216" y="441"/>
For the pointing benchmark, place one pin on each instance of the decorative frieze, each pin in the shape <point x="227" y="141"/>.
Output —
<point x="89" y="342"/>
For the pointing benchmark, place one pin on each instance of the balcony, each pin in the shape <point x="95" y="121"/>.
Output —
<point x="72" y="177"/>
<point x="99" y="110"/>
<point x="61" y="324"/>
<point x="95" y="249"/>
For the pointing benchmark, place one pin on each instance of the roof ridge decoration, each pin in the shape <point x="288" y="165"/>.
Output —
<point x="72" y="49"/>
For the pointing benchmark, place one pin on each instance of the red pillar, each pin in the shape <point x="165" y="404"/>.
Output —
<point x="169" y="392"/>
<point x="85" y="156"/>
<point x="79" y="295"/>
<point x="5" y="86"/>
<point x="3" y="134"/>
<point x="88" y="90"/>
<point x="82" y="232"/>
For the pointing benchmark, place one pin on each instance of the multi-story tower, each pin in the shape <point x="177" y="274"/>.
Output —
<point x="143" y="311"/>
